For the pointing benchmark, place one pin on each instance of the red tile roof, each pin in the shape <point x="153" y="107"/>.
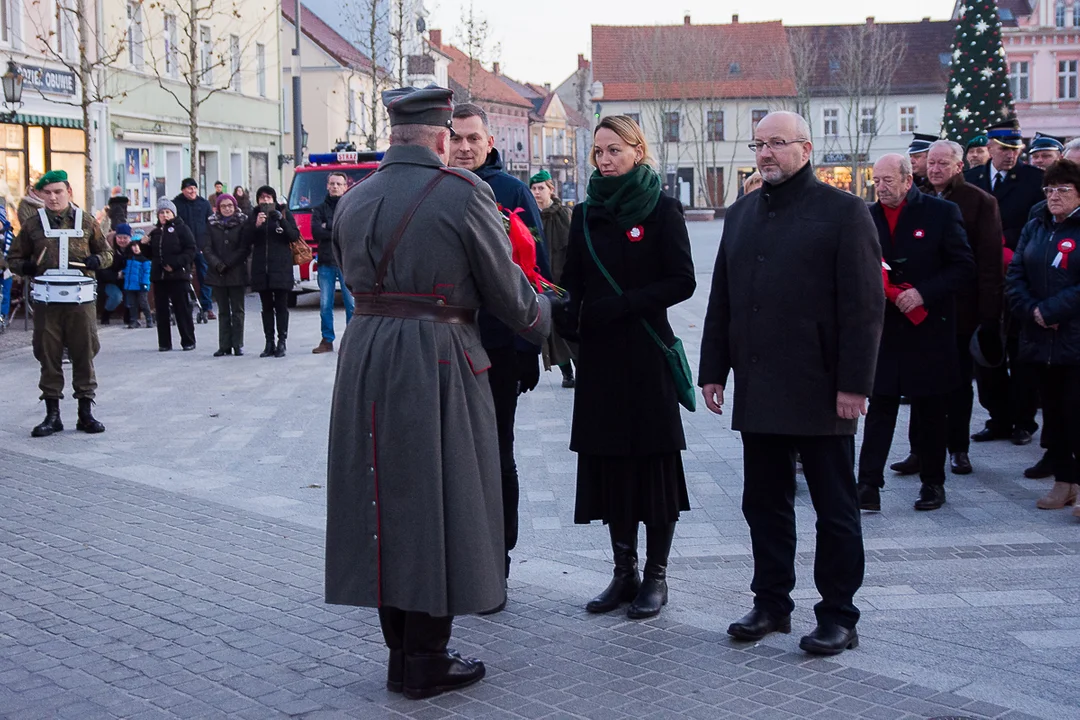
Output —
<point x="326" y="37"/>
<point x="485" y="85"/>
<point x="920" y="72"/>
<point x="692" y="61"/>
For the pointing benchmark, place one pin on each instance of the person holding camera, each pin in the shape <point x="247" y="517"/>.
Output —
<point x="270" y="231"/>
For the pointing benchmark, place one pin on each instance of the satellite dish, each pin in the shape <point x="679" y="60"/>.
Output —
<point x="421" y="26"/>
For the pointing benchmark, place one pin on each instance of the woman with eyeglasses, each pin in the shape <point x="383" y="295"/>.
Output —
<point x="1043" y="287"/>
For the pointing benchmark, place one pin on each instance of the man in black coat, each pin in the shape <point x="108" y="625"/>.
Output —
<point x="195" y="211"/>
<point x="928" y="260"/>
<point x="796" y="311"/>
<point x="1008" y="392"/>
<point x="979" y="302"/>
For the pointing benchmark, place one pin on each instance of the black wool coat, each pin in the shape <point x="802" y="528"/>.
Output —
<point x="271" y="256"/>
<point x="227" y="251"/>
<point x="796" y="307"/>
<point x="625" y="402"/>
<point x="171" y="244"/>
<point x="930" y="252"/>
<point x="1020" y="190"/>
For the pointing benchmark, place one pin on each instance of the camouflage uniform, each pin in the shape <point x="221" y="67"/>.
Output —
<point x="60" y="325"/>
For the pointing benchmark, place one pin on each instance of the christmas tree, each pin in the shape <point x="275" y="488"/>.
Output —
<point x="978" y="93"/>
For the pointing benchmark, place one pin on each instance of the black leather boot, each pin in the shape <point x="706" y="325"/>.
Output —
<point x="653" y="593"/>
<point x="625" y="581"/>
<point x="269" y="350"/>
<point x="86" y="422"/>
<point x="430" y="674"/>
<point x="395" y="671"/>
<point x="51" y="424"/>
<point x="280" y="350"/>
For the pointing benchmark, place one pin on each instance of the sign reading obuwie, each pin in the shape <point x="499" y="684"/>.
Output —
<point x="54" y="82"/>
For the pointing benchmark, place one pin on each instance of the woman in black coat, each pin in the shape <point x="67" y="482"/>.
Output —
<point x="226" y="253"/>
<point x="1043" y="287"/>
<point x="627" y="429"/>
<point x="172" y="254"/>
<point x="270" y="230"/>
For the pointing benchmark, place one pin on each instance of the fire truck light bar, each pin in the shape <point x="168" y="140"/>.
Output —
<point x="343" y="158"/>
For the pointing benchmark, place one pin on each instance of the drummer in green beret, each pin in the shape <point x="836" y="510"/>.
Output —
<point x="60" y="325"/>
<point x="977" y="152"/>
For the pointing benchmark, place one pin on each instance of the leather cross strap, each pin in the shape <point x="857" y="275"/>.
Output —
<point x="399" y="231"/>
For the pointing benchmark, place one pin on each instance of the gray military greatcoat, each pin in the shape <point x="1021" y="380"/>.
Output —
<point x="414" y="501"/>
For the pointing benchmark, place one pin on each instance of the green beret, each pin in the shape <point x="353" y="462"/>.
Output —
<point x="542" y="176"/>
<point x="978" y="141"/>
<point x="53" y="176"/>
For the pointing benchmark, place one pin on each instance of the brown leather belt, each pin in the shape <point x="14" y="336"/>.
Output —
<point x="410" y="309"/>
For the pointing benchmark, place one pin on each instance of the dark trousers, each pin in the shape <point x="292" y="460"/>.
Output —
<point x="275" y="305"/>
<point x="769" y="508"/>
<point x="66" y="325"/>
<point x="503" y="378"/>
<point x="931" y="438"/>
<point x="1009" y="392"/>
<point x="137" y="300"/>
<point x="230" y="302"/>
<point x="959" y="405"/>
<point x="175" y="293"/>
<point x="201" y="268"/>
<point x="414" y="632"/>
<point x="1060" y="387"/>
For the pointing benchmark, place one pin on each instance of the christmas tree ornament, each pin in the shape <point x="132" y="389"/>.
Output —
<point x="979" y="93"/>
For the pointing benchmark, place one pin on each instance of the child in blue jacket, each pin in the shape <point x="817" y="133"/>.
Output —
<point x="136" y="277"/>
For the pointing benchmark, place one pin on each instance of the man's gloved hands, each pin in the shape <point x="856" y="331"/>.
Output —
<point x="220" y="268"/>
<point x="528" y="364"/>
<point x="29" y="268"/>
<point x="562" y="315"/>
<point x="92" y="262"/>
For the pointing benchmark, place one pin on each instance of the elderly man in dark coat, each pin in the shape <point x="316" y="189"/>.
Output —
<point x="414" y="503"/>
<point x="927" y="260"/>
<point x="796" y="311"/>
<point x="979" y="302"/>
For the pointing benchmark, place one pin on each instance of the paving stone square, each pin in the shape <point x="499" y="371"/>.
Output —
<point x="173" y="567"/>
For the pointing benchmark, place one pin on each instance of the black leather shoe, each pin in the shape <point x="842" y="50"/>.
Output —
<point x="931" y="497"/>
<point x="269" y="350"/>
<point x="829" y="639"/>
<point x="51" y="424"/>
<point x="961" y="464"/>
<point x="1021" y="436"/>
<point x="908" y="466"/>
<point x="756" y="624"/>
<point x="1042" y="469"/>
<point x="238" y="351"/>
<point x="869" y="498"/>
<point x="395" y="671"/>
<point x="988" y="434"/>
<point x="431" y="674"/>
<point x="86" y="421"/>
<point x="221" y="353"/>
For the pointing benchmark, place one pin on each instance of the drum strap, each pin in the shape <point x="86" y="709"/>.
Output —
<point x="63" y="235"/>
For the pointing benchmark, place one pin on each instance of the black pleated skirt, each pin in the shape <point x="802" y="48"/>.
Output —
<point x="649" y="489"/>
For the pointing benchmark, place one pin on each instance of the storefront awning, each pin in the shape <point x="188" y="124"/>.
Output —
<point x="46" y="121"/>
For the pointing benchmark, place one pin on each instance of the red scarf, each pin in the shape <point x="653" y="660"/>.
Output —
<point x="892" y="215"/>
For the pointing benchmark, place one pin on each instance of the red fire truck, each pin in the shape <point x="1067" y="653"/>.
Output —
<point x="309" y="190"/>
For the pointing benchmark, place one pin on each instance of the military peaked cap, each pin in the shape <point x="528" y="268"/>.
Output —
<point x="1046" y="142"/>
<point x="921" y="143"/>
<point x="1006" y="133"/>
<point x="432" y="105"/>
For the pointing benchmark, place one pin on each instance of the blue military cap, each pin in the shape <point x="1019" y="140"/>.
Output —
<point x="1046" y="142"/>
<point x="432" y="105"/>
<point x="1006" y="133"/>
<point x="921" y="143"/>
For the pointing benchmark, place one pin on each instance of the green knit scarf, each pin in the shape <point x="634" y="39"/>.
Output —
<point x="629" y="198"/>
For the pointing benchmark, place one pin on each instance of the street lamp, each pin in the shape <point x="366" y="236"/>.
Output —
<point x="13" y="87"/>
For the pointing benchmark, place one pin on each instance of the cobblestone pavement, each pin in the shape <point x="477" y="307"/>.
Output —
<point x="172" y="568"/>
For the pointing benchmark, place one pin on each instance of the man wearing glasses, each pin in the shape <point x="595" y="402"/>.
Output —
<point x="796" y="311"/>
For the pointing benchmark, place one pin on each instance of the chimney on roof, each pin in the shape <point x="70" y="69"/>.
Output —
<point x="926" y="19"/>
<point x="547" y="87"/>
<point x="435" y="36"/>
<point x="495" y="68"/>
<point x="870" y="21"/>
<point x="735" y="19"/>
<point x="686" y="20"/>
<point x="582" y="62"/>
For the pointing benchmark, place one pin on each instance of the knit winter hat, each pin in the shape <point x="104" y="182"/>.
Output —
<point x="224" y="196"/>
<point x="123" y="229"/>
<point x="266" y="190"/>
<point x="166" y="204"/>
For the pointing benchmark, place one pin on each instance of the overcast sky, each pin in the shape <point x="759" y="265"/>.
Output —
<point x="540" y="40"/>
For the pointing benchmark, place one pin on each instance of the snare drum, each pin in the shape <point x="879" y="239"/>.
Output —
<point x="70" y="287"/>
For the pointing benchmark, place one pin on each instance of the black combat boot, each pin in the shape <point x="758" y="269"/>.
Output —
<point x="269" y="350"/>
<point x="86" y="422"/>
<point x="625" y="581"/>
<point x="653" y="594"/>
<point x="280" y="351"/>
<point x="51" y="424"/>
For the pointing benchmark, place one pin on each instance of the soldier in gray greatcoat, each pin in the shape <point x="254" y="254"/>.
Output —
<point x="414" y="504"/>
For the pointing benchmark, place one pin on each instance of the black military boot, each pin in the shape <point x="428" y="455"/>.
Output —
<point x="86" y="422"/>
<point x="430" y="669"/>
<point x="625" y="581"/>
<point x="269" y="350"/>
<point x="653" y="594"/>
<point x="280" y="350"/>
<point x="51" y="424"/>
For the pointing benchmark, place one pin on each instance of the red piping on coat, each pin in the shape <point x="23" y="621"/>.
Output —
<point x="378" y="515"/>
